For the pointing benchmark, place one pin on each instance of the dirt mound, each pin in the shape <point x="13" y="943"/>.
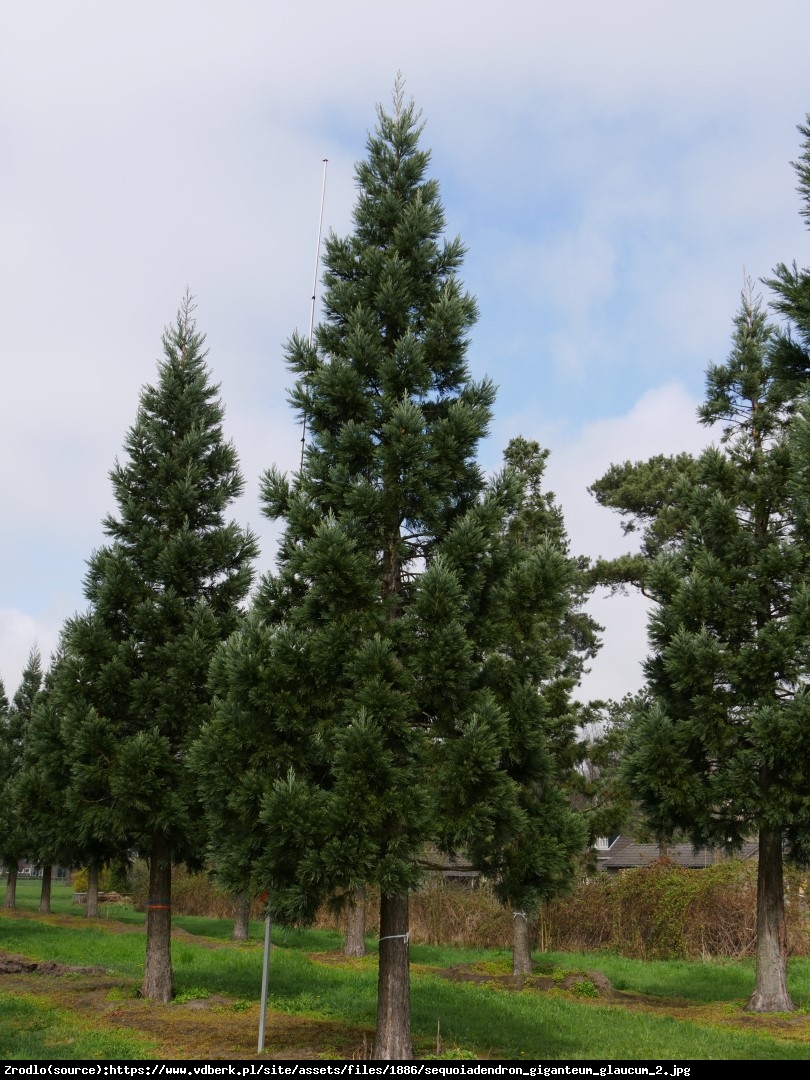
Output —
<point x="11" y="964"/>
<point x="586" y="983"/>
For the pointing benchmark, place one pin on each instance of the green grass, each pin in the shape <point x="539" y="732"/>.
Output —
<point x="713" y="980"/>
<point x="33" y="1030"/>
<point x="483" y="1019"/>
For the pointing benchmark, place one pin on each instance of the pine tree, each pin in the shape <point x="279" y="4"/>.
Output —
<point x="163" y="594"/>
<point x="354" y="712"/>
<point x="7" y="751"/>
<point x="724" y="747"/>
<point x="644" y="494"/>
<point x="534" y="640"/>
<point x="15" y="834"/>
<point x="41" y="787"/>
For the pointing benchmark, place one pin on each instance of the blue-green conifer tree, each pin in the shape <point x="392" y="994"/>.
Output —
<point x="163" y="593"/>
<point x="355" y="720"/>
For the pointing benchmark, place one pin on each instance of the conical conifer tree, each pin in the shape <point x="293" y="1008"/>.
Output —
<point x="41" y="786"/>
<point x="16" y="840"/>
<point x="8" y="753"/>
<point x="353" y="700"/>
<point x="163" y="594"/>
<point x="722" y="747"/>
<point x="534" y="639"/>
<point x="721" y="750"/>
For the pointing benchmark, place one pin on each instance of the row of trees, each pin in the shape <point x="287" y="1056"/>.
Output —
<point x="404" y="678"/>
<point x="93" y="760"/>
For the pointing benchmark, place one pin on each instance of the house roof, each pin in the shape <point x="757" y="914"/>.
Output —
<point x="624" y="853"/>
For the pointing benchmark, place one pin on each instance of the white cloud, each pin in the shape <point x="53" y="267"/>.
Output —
<point x="662" y="421"/>
<point x="611" y="167"/>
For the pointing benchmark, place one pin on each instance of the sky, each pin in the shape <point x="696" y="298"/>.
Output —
<point x="615" y="170"/>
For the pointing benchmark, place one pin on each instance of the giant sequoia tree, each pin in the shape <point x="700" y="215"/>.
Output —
<point x="40" y="787"/>
<point x="723" y="747"/>
<point x="722" y="750"/>
<point x="534" y="640"/>
<point x="355" y="721"/>
<point x="9" y="755"/>
<point x="16" y="840"/>
<point x="163" y="594"/>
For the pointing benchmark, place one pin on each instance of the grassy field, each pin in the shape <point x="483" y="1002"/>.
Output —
<point x="322" y="1005"/>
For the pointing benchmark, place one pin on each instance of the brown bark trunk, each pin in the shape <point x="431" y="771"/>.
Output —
<point x="241" y="918"/>
<point x="45" y="895"/>
<point x="356" y="925"/>
<point x="770" y="990"/>
<point x="521" y="947"/>
<point x="11" y="885"/>
<point x="157" y="976"/>
<point x="392" y="1039"/>
<point x="91" y="909"/>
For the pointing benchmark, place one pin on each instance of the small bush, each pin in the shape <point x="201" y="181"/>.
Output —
<point x="79" y="880"/>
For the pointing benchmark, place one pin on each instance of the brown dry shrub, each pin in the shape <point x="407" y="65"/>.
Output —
<point x="441" y="913"/>
<point x="192" y="894"/>
<point x="659" y="912"/>
<point x="666" y="912"/>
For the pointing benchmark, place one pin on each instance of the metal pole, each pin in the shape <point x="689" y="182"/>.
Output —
<point x="265" y="975"/>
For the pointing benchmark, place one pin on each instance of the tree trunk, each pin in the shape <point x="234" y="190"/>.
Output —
<point x="157" y="976"/>
<point x="392" y="1040"/>
<point x="241" y="918"/>
<point x="521" y="947"/>
<point x="356" y="925"/>
<point x="91" y="909"/>
<point x="11" y="885"/>
<point x="45" y="895"/>
<point x="770" y="991"/>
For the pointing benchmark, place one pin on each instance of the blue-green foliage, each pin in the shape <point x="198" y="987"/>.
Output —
<point x="132" y="685"/>
<point x="404" y="676"/>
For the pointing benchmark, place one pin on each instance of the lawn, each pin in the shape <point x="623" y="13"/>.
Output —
<point x="464" y="1002"/>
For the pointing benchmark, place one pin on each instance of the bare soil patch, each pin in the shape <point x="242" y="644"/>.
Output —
<point x="11" y="964"/>
<point x="213" y="1028"/>
<point x="597" y="983"/>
